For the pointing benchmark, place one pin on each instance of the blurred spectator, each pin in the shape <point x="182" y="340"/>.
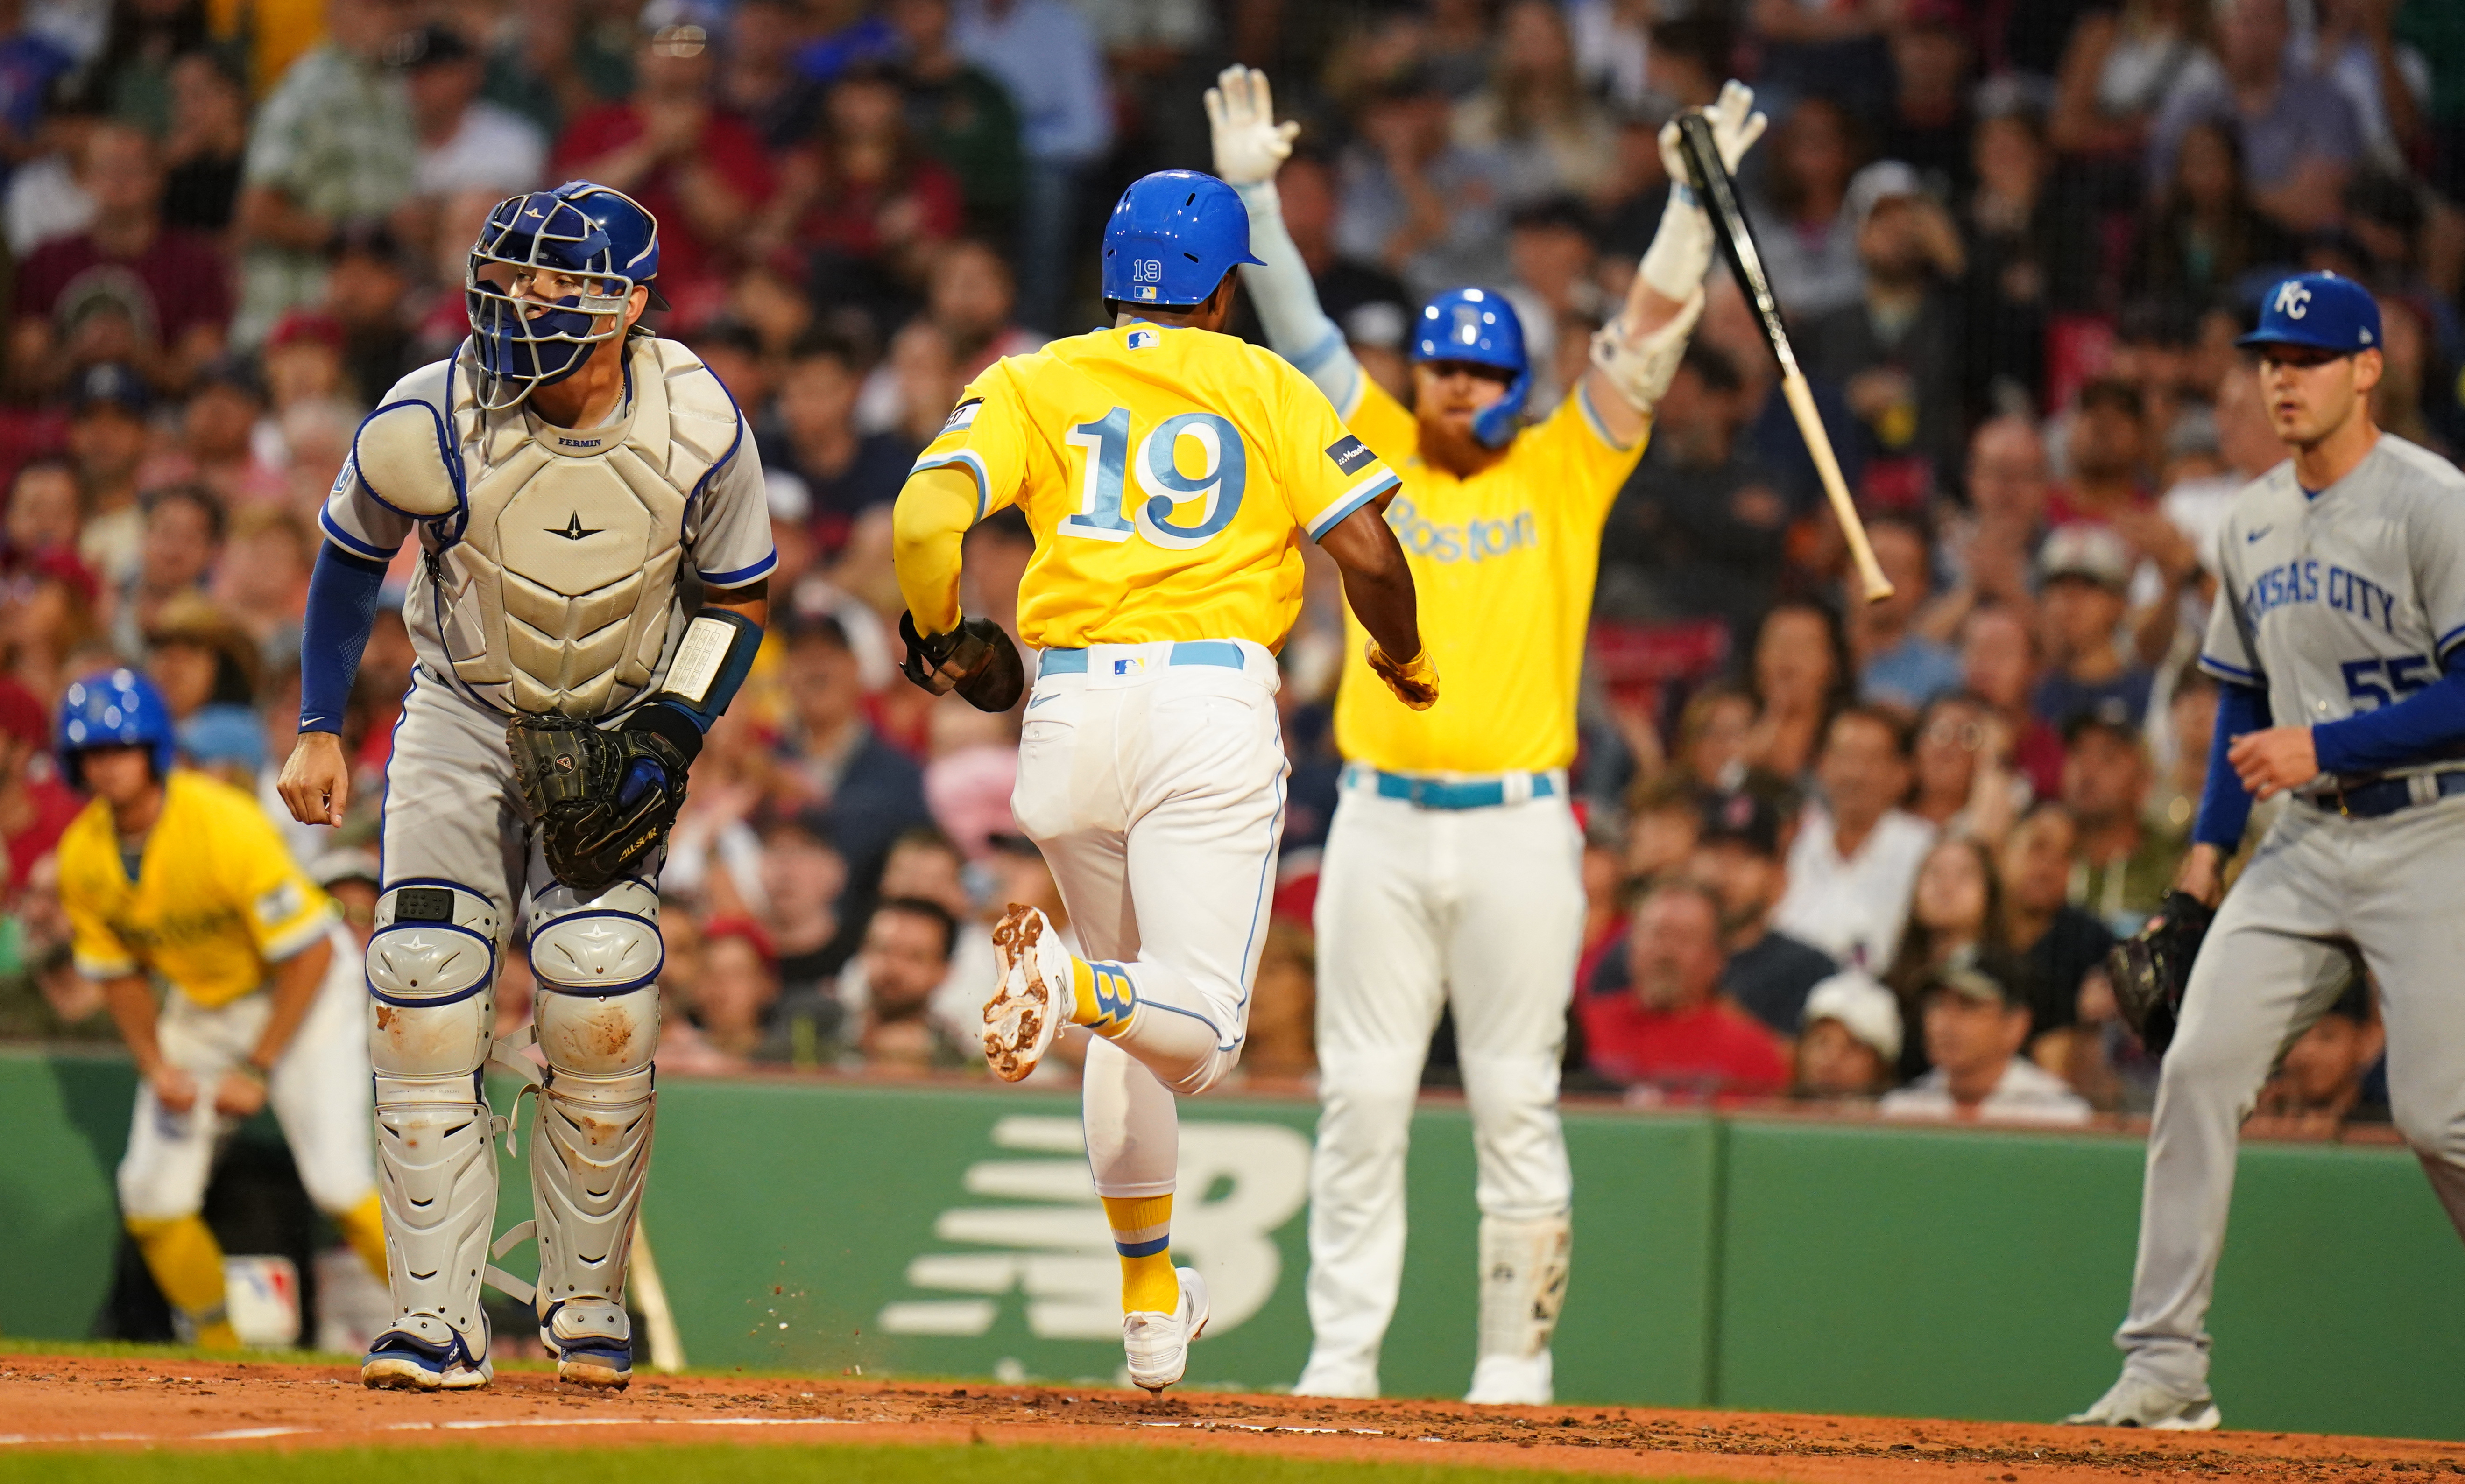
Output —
<point x="2026" y="258"/>
<point x="845" y="473"/>
<point x="1832" y="47"/>
<point x="107" y="441"/>
<point x="335" y="140"/>
<point x="1955" y="915"/>
<point x="1807" y="235"/>
<point x="960" y="116"/>
<point x="972" y="300"/>
<point x="2061" y="944"/>
<point x="1974" y="1030"/>
<point x="30" y="63"/>
<point x="1369" y="304"/>
<point x="1550" y="259"/>
<point x="1850" y="1043"/>
<point x="2117" y="66"/>
<point x="561" y="58"/>
<point x="127" y="288"/>
<point x="1801" y="676"/>
<point x="1857" y="853"/>
<point x="1534" y="113"/>
<point x="737" y="984"/>
<point x="860" y="196"/>
<point x="1897" y="665"/>
<point x="48" y="624"/>
<point x="1283" y="1040"/>
<point x="42" y="510"/>
<point x="2125" y="866"/>
<point x="352" y="874"/>
<point x="1930" y="124"/>
<point x="1962" y="766"/>
<point x="906" y="955"/>
<point x="368" y="294"/>
<point x="201" y="658"/>
<point x="1714" y="733"/>
<point x="217" y="444"/>
<point x="1992" y="547"/>
<point x="1043" y="53"/>
<point x="141" y="45"/>
<point x="870" y="792"/>
<point x="262" y="578"/>
<point x="1655" y="1017"/>
<point x="758" y="80"/>
<point x="2206" y="233"/>
<point x="1664" y="815"/>
<point x="1895" y="346"/>
<point x="2085" y="569"/>
<point x="183" y="535"/>
<point x="466" y="145"/>
<point x="803" y="881"/>
<point x="46" y="199"/>
<point x="1998" y="665"/>
<point x="700" y="171"/>
<point x="303" y="360"/>
<point x="2300" y="141"/>
<point x="35" y="808"/>
<point x="1737" y="855"/>
<point x="2317" y="1086"/>
<point x="206" y="147"/>
<point x="1613" y="47"/>
<point x="2354" y="47"/>
<point x="1420" y="206"/>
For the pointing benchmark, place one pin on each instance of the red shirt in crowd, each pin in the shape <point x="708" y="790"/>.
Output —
<point x="689" y="263"/>
<point x="1714" y="1048"/>
<point x="53" y="808"/>
<point x="860" y="218"/>
<point x="177" y="285"/>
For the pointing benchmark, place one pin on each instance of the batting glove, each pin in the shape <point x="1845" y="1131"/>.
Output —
<point x="1735" y="128"/>
<point x="1250" y="144"/>
<point x="1681" y="249"/>
<point x="1414" y="680"/>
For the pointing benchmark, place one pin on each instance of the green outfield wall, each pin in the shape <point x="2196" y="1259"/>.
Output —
<point x="1770" y="1263"/>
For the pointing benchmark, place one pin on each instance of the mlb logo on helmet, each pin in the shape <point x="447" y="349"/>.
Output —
<point x="2318" y="310"/>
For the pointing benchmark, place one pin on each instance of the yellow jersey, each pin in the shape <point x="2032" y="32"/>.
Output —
<point x="216" y="898"/>
<point x="1504" y="563"/>
<point x="1168" y="473"/>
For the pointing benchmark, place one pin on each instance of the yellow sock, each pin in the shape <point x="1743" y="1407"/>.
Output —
<point x="1101" y="997"/>
<point x="364" y="1228"/>
<point x="188" y="1266"/>
<point x="1142" y="1234"/>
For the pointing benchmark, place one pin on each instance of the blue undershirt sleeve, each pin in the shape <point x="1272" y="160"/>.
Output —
<point x="342" y="607"/>
<point x="2225" y="805"/>
<point x="2424" y="725"/>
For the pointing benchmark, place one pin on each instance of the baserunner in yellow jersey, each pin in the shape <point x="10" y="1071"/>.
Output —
<point x="1451" y="872"/>
<point x="1169" y="473"/>
<point x="173" y="874"/>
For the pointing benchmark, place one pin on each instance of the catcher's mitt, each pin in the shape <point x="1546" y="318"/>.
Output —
<point x="2150" y="968"/>
<point x="602" y="797"/>
<point x="975" y="659"/>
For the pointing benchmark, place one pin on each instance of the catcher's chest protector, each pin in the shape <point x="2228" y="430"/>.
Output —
<point x="557" y="559"/>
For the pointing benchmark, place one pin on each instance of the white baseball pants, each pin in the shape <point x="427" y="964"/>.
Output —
<point x="320" y="1093"/>
<point x="1152" y="778"/>
<point x="1419" y="909"/>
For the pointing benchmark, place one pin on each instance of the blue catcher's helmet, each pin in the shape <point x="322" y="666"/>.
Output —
<point x="117" y="708"/>
<point x="599" y="240"/>
<point x="1481" y="328"/>
<point x="1172" y="239"/>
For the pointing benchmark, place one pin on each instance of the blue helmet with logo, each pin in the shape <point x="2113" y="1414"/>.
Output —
<point x="598" y="242"/>
<point x="117" y="708"/>
<point x="1172" y="237"/>
<point x="1479" y="327"/>
<point x="2320" y="310"/>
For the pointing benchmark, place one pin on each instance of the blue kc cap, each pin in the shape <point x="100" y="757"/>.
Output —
<point x="2320" y="310"/>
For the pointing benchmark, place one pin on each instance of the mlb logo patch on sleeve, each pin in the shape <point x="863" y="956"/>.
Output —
<point x="963" y="415"/>
<point x="1349" y="453"/>
<point x="279" y="905"/>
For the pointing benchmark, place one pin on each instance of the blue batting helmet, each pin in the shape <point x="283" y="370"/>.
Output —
<point x="1172" y="239"/>
<point x="117" y="708"/>
<point x="1481" y="328"/>
<point x="599" y="239"/>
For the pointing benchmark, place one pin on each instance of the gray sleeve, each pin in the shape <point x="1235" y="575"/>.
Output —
<point x="2225" y="650"/>
<point x="353" y="519"/>
<point x="730" y="541"/>
<point x="2434" y="539"/>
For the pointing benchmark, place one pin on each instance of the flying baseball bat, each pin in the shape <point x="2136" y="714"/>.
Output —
<point x="1736" y="239"/>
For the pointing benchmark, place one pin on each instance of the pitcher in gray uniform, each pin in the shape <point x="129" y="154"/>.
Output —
<point x="564" y="473"/>
<point x="2339" y="610"/>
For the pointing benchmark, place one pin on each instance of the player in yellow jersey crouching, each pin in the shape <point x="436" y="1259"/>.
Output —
<point x="1169" y="473"/>
<point x="1452" y="868"/>
<point x="171" y="872"/>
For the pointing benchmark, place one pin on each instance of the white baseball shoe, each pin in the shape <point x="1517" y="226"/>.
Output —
<point x="2135" y="1403"/>
<point x="1511" y="1380"/>
<point x="423" y="1353"/>
<point x="1158" y="1344"/>
<point x="1321" y="1378"/>
<point x="1032" y="997"/>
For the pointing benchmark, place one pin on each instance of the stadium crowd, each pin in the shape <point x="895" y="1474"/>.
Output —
<point x="1843" y="850"/>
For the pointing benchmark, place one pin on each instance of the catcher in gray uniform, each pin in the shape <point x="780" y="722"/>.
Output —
<point x="564" y="473"/>
<point x="2340" y="606"/>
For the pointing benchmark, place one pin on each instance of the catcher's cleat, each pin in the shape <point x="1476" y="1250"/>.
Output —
<point x="2135" y="1403"/>
<point x="1158" y="1344"/>
<point x="422" y="1353"/>
<point x="1032" y="997"/>
<point x="592" y="1342"/>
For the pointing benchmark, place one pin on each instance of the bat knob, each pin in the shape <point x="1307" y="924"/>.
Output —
<point x="1877" y="590"/>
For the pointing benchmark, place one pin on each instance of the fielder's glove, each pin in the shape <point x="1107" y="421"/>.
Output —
<point x="602" y="799"/>
<point x="975" y="659"/>
<point x="1414" y="680"/>
<point x="1250" y="144"/>
<point x="2150" y="968"/>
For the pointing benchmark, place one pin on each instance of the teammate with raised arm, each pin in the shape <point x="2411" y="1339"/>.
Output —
<point x="564" y="473"/>
<point x="1169" y="473"/>
<point x="2340" y="606"/>
<point x="1452" y="869"/>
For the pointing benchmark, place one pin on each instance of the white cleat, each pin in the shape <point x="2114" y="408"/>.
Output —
<point x="1031" y="996"/>
<point x="1158" y="1344"/>
<point x="2135" y="1403"/>
<point x="422" y="1353"/>
<point x="1511" y="1380"/>
<point x="1335" y="1381"/>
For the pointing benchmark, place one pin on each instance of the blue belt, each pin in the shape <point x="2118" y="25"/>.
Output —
<point x="1223" y="654"/>
<point x="2386" y="796"/>
<point x="1438" y="793"/>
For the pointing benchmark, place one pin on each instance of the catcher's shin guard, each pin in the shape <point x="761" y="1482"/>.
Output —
<point x="598" y="1026"/>
<point x="431" y="966"/>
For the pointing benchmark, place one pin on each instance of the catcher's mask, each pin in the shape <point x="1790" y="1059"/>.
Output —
<point x="549" y="279"/>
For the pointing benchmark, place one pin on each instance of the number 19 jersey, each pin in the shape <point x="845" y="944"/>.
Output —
<point x="1166" y="473"/>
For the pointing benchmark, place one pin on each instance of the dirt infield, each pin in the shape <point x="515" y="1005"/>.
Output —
<point x="79" y="1401"/>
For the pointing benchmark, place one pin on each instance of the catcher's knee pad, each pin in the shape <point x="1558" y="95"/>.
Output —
<point x="431" y="968"/>
<point x="437" y="1183"/>
<point x="599" y="945"/>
